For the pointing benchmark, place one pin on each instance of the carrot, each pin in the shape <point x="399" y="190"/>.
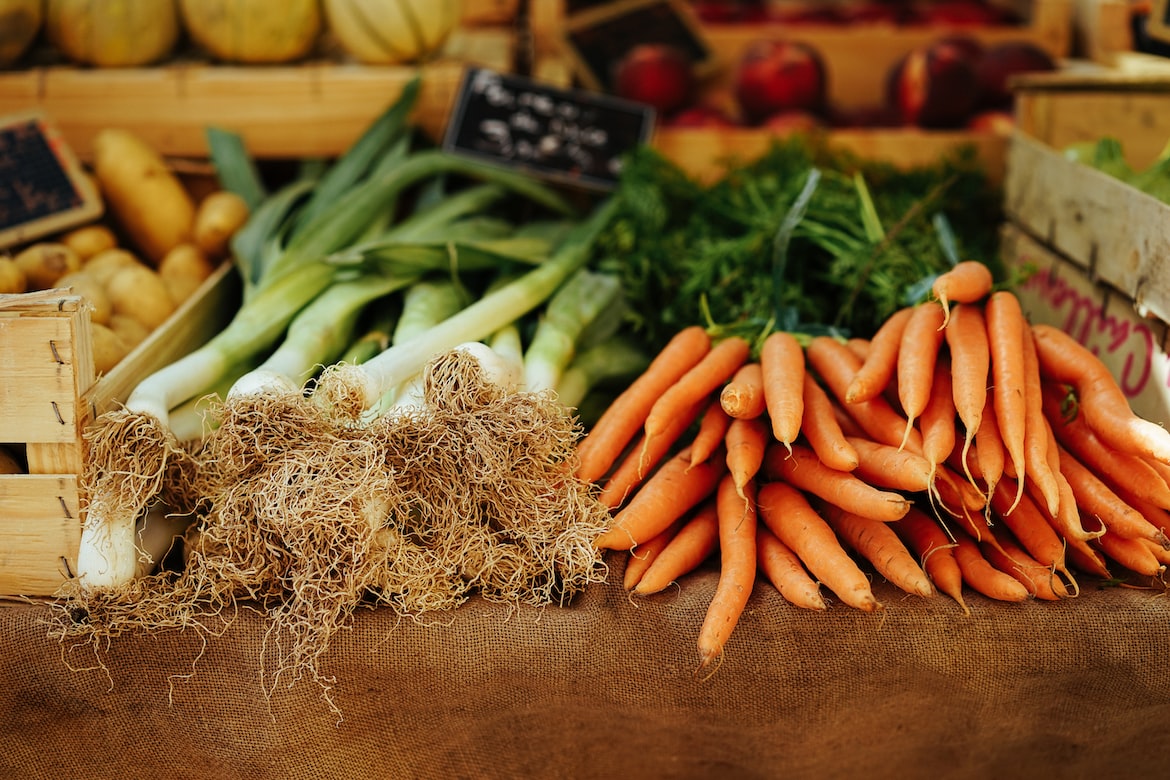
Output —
<point x="966" y="337"/>
<point x="782" y="362"/>
<point x="784" y="570"/>
<point x="788" y="514"/>
<point x="878" y="365"/>
<point x="802" y="469"/>
<point x="696" y="539"/>
<point x="747" y="439"/>
<point x="937" y="422"/>
<point x="1118" y="469"/>
<point x="1029" y="525"/>
<point x="983" y="577"/>
<point x="836" y="365"/>
<point x="1159" y="552"/>
<point x="822" y="430"/>
<point x="1088" y="559"/>
<point x="712" y="428"/>
<point x="936" y="552"/>
<point x="737" y="569"/>
<point x="858" y="345"/>
<point x="641" y="459"/>
<point x="1133" y="554"/>
<point x="886" y="466"/>
<point x="626" y="414"/>
<point x="1040" y="580"/>
<point x="743" y="395"/>
<point x="1040" y="457"/>
<point x="967" y="281"/>
<point x="1157" y="516"/>
<point x="989" y="453"/>
<point x="668" y="494"/>
<point x="639" y="560"/>
<point x="1096" y="498"/>
<point x="879" y="544"/>
<point x="707" y="376"/>
<point x="1005" y="339"/>
<point x="917" y="356"/>
<point x="1067" y="519"/>
<point x="1101" y="400"/>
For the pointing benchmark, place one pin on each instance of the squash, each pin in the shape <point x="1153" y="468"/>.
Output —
<point x="112" y="33"/>
<point x="20" y="21"/>
<point x="253" y="31"/>
<point x="389" y="32"/>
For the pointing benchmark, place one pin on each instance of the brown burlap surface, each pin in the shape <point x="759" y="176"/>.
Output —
<point x="604" y="689"/>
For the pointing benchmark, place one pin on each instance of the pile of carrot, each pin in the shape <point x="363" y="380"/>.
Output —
<point x="959" y="447"/>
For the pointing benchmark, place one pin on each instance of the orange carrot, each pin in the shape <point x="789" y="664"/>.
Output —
<point x="937" y="422"/>
<point x="917" y="357"/>
<point x="1029" y="525"/>
<point x="707" y="376"/>
<point x="1133" y="554"/>
<point x="859" y="346"/>
<point x="1159" y="552"/>
<point x="877" y="543"/>
<point x="836" y="366"/>
<point x="696" y="539"/>
<point x="782" y="361"/>
<point x="639" y="560"/>
<point x="967" y="282"/>
<point x="966" y="337"/>
<point x="1067" y="519"/>
<point x="1040" y="459"/>
<point x="887" y="466"/>
<point x="641" y="459"/>
<point x="1089" y="560"/>
<point x="878" y="365"/>
<point x="743" y="395"/>
<point x="935" y="550"/>
<point x="1157" y="516"/>
<point x="1010" y="558"/>
<point x="1005" y="338"/>
<point x="788" y="514"/>
<point x="983" y="577"/>
<point x="802" y="469"/>
<point x="626" y="414"/>
<point x="1101" y="399"/>
<point x="737" y="569"/>
<point x="822" y="430"/>
<point x="747" y="439"/>
<point x="712" y="428"/>
<point x="668" y="494"/>
<point x="1096" y="498"/>
<point x="782" y="567"/>
<point x="989" y="454"/>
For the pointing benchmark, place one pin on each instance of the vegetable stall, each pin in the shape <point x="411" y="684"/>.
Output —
<point x="419" y="463"/>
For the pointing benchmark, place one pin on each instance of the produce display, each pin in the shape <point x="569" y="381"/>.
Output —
<point x="1107" y="155"/>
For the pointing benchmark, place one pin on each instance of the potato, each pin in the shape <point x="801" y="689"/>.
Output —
<point x="183" y="269"/>
<point x="144" y="196"/>
<point x="93" y="291"/>
<point x="217" y="219"/>
<point x="9" y="463"/>
<point x="105" y="264"/>
<point x="89" y="240"/>
<point x="45" y="262"/>
<point x="108" y="348"/>
<point x="12" y="278"/>
<point x="139" y="292"/>
<point x="131" y="331"/>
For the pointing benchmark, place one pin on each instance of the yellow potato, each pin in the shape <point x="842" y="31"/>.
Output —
<point x="89" y="240"/>
<point x="131" y="331"/>
<point x="139" y="292"/>
<point x="183" y="269"/>
<point x="93" y="291"/>
<point x="108" y="348"/>
<point x="45" y="262"/>
<point x="12" y="278"/>
<point x="217" y="219"/>
<point x="105" y="264"/>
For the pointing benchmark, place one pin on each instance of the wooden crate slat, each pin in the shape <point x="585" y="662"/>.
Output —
<point x="40" y="530"/>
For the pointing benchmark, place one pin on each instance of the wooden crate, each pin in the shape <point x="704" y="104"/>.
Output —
<point x="49" y="394"/>
<point x="1101" y="29"/>
<point x="316" y="108"/>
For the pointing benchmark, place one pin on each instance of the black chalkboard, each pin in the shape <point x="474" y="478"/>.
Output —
<point x="42" y="187"/>
<point x="572" y="136"/>
<point x="595" y="39"/>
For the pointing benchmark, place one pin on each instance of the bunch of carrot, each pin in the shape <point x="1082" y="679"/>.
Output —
<point x="959" y="446"/>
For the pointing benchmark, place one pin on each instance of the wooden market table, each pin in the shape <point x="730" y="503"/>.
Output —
<point x="604" y="688"/>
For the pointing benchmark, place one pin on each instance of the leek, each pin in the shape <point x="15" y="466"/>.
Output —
<point x="616" y="359"/>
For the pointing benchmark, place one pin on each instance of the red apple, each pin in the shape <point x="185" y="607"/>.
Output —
<point x="659" y="75"/>
<point x="934" y="86"/>
<point x="780" y="75"/>
<point x="995" y="121"/>
<point x="1004" y="60"/>
<point x="792" y="121"/>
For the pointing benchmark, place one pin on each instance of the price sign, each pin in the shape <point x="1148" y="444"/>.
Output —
<point x="572" y="136"/>
<point x="42" y="186"/>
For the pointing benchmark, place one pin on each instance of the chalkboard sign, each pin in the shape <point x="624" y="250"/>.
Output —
<point x="572" y="136"/>
<point x="596" y="38"/>
<point x="42" y="187"/>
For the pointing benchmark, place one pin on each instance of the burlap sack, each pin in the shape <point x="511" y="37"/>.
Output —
<point x="604" y="689"/>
